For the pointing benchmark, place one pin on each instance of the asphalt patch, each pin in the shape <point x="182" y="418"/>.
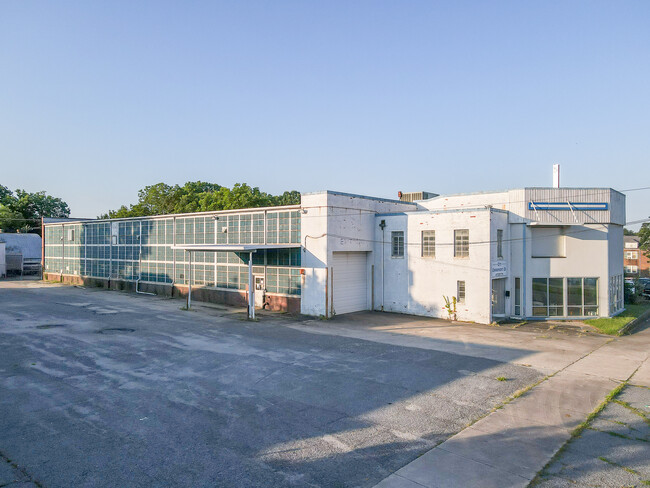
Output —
<point x="115" y="330"/>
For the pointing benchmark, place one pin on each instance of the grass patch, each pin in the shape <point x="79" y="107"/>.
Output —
<point x="620" y="436"/>
<point x="612" y="326"/>
<point x="502" y="378"/>
<point x="625" y="468"/>
<point x="634" y="410"/>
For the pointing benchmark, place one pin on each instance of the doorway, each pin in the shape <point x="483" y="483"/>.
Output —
<point x="499" y="296"/>
<point x="260" y="291"/>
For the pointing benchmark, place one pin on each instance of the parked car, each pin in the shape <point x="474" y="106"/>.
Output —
<point x="646" y="290"/>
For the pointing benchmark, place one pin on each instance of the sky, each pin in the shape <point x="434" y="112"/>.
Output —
<point x="101" y="98"/>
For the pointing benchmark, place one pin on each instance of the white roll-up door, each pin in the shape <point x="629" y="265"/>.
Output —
<point x="350" y="282"/>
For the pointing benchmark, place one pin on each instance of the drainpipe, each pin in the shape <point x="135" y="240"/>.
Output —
<point x="251" y="288"/>
<point x="42" y="248"/>
<point x="524" y="281"/>
<point x="189" y="282"/>
<point x="382" y="225"/>
<point x="62" y="250"/>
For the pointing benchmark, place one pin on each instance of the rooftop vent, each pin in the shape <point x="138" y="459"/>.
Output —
<point x="415" y="196"/>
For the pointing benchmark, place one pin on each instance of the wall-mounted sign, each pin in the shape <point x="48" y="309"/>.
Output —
<point x="568" y="206"/>
<point x="499" y="269"/>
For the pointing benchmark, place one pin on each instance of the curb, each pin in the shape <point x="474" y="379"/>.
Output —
<point x="627" y="328"/>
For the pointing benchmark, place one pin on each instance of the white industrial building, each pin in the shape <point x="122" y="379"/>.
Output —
<point x="526" y="253"/>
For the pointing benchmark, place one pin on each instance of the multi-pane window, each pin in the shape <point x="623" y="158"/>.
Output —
<point x="142" y="249"/>
<point x="460" y="291"/>
<point x="283" y="227"/>
<point x="582" y="297"/>
<point x="428" y="243"/>
<point x="615" y="293"/>
<point x="461" y="243"/>
<point x="548" y="297"/>
<point x="499" y="243"/>
<point x="631" y="255"/>
<point x="631" y="269"/>
<point x="518" y="296"/>
<point x="397" y="244"/>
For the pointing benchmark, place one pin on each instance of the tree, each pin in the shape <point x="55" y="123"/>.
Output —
<point x="5" y="194"/>
<point x="23" y="211"/>
<point x="644" y="238"/>
<point x="199" y="196"/>
<point x="628" y="232"/>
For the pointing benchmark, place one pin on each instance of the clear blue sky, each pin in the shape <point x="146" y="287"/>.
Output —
<point x="99" y="99"/>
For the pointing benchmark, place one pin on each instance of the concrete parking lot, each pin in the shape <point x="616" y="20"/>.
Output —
<point x="104" y="388"/>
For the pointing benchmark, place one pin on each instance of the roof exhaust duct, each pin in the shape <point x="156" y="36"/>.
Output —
<point x="556" y="176"/>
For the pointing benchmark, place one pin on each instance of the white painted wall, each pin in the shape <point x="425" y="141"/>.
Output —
<point x="592" y="251"/>
<point x="415" y="284"/>
<point x="331" y="222"/>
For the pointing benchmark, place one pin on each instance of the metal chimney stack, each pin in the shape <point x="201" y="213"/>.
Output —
<point x="556" y="176"/>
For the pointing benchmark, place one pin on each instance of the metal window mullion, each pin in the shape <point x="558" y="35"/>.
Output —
<point x="215" y="254"/>
<point x="173" y="251"/>
<point x="85" y="254"/>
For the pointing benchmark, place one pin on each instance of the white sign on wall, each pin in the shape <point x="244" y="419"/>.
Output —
<point x="499" y="269"/>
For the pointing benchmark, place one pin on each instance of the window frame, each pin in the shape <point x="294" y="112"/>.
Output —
<point x="500" y="243"/>
<point x="582" y="307"/>
<point x="460" y="297"/>
<point x="428" y="244"/>
<point x="517" y="300"/>
<point x="461" y="248"/>
<point x="397" y="236"/>
<point x="547" y="305"/>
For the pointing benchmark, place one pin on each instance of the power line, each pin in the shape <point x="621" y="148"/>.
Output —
<point x="515" y="239"/>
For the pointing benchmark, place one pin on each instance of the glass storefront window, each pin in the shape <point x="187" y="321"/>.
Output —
<point x="518" y="296"/>
<point x="582" y="296"/>
<point x="555" y="297"/>
<point x="540" y="297"/>
<point x="548" y="297"/>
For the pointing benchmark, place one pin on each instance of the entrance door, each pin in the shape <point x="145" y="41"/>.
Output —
<point x="499" y="296"/>
<point x="259" y="291"/>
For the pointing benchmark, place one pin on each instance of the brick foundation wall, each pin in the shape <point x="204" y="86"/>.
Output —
<point x="233" y="298"/>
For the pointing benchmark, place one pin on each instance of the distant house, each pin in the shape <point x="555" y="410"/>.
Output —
<point x="636" y="263"/>
<point x="22" y="253"/>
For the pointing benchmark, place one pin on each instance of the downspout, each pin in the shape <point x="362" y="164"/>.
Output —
<point x="251" y="288"/>
<point x="382" y="224"/>
<point x="42" y="248"/>
<point x="524" y="281"/>
<point x="189" y="281"/>
<point x="62" y="251"/>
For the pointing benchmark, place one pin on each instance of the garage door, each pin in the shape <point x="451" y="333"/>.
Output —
<point x="350" y="282"/>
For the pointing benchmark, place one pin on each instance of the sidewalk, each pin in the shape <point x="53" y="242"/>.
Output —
<point x="511" y="445"/>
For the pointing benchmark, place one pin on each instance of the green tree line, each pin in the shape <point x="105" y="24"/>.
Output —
<point x="22" y="211"/>
<point x="199" y="196"/>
